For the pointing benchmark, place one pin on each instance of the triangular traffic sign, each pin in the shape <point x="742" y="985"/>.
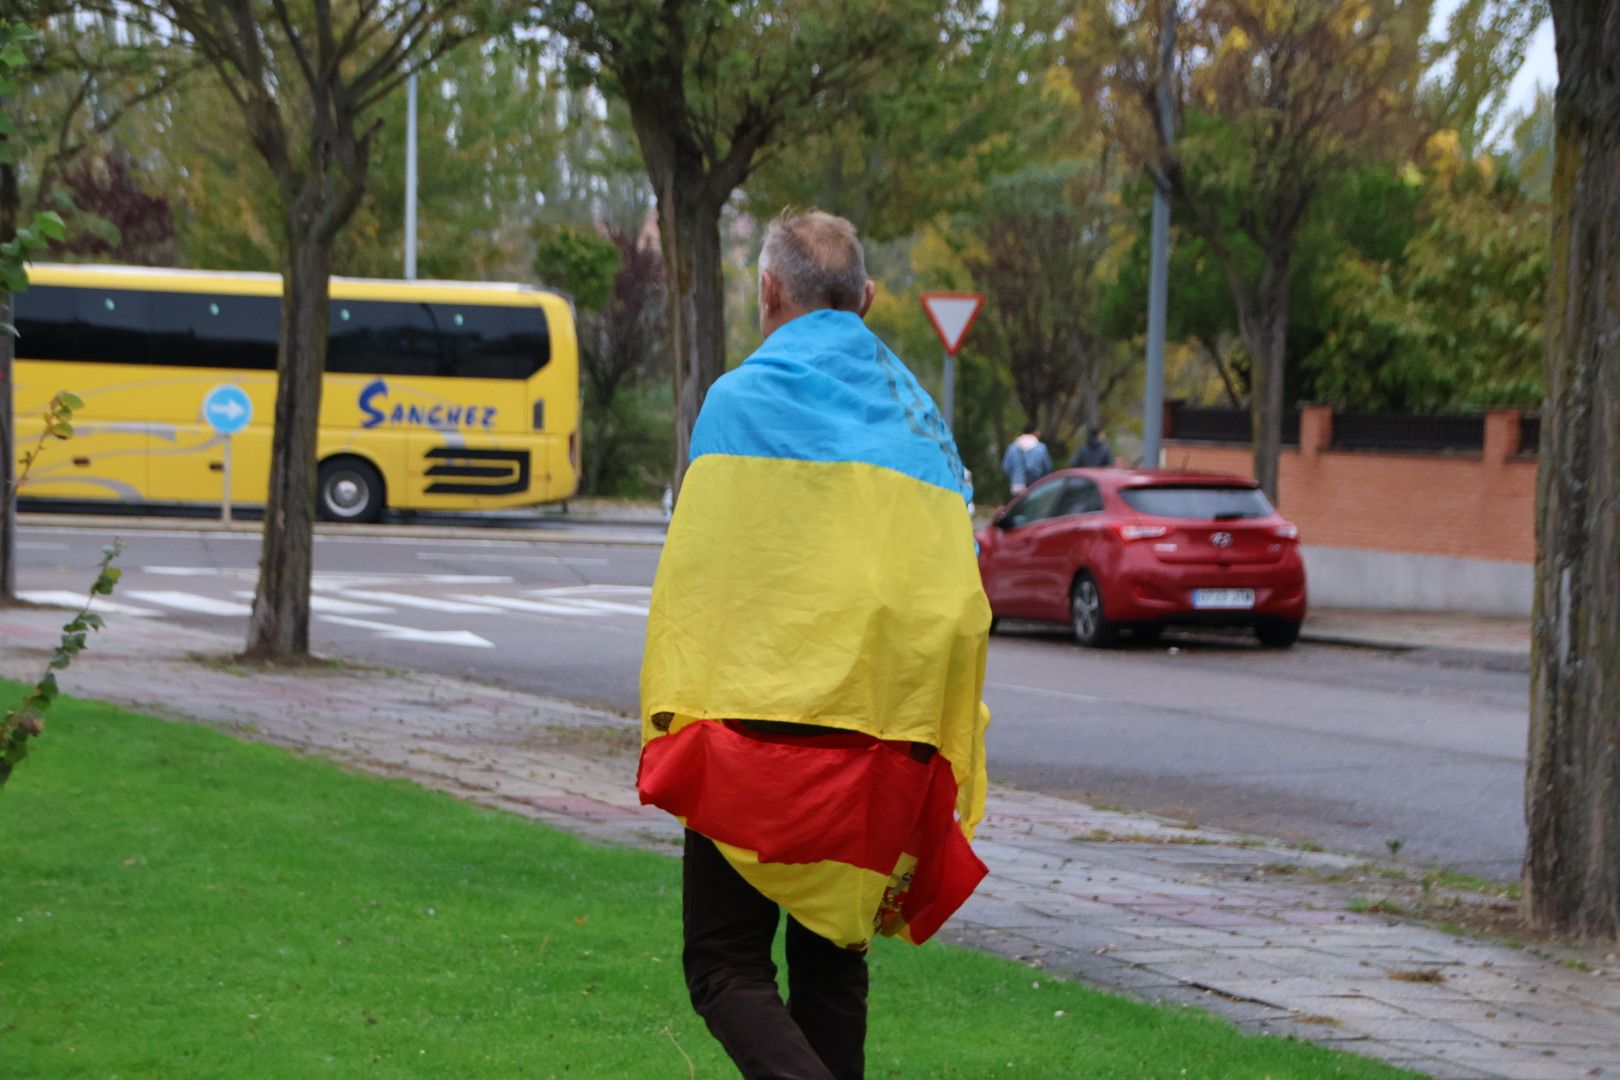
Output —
<point x="952" y="314"/>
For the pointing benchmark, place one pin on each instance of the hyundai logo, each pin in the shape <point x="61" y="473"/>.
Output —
<point x="1221" y="539"/>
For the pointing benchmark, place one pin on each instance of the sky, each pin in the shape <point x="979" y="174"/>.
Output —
<point x="1540" y="63"/>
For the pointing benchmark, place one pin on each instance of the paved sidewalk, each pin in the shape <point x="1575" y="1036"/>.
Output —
<point x="1456" y="637"/>
<point x="1253" y="930"/>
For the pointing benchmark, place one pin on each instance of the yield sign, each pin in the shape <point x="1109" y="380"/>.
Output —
<point x="952" y="314"/>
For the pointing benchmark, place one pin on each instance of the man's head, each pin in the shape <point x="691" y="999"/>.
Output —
<point x="810" y="262"/>
<point x="1032" y="428"/>
<point x="1099" y="434"/>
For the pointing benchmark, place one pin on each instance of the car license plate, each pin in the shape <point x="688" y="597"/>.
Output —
<point x="1219" y="599"/>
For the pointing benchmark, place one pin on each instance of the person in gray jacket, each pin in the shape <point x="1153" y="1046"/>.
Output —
<point x="1094" y="453"/>
<point x="1026" y="460"/>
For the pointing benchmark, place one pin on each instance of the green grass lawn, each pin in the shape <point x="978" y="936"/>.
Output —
<point x="174" y="902"/>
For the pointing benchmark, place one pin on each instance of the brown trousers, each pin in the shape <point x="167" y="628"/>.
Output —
<point x="820" y="1033"/>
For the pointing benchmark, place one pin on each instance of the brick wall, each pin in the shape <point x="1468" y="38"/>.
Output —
<point x="1462" y="505"/>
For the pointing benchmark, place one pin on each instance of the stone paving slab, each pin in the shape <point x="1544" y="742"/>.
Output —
<point x="1121" y="901"/>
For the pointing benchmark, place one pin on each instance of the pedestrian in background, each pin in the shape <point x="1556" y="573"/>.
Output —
<point x="1027" y="459"/>
<point x="811" y="687"/>
<point x="1094" y="453"/>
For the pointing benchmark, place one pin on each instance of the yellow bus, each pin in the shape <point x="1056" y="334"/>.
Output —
<point x="438" y="395"/>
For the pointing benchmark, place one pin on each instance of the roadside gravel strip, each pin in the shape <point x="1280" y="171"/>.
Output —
<point x="1253" y="930"/>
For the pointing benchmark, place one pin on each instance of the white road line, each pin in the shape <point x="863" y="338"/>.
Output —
<point x="423" y="603"/>
<point x="609" y="590"/>
<point x="464" y="638"/>
<point x="184" y="601"/>
<point x="326" y="605"/>
<point x="512" y="603"/>
<point x="336" y="579"/>
<point x="34" y="545"/>
<point x="597" y="605"/>
<point x="447" y="556"/>
<point x="1066" y="695"/>
<point x="75" y="601"/>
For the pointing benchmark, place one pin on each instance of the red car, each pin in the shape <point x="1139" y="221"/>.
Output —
<point x="1111" y="550"/>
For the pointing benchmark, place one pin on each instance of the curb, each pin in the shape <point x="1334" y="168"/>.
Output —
<point x="541" y="535"/>
<point x="1444" y="655"/>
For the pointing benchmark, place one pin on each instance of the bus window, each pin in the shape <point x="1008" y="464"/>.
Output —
<point x="203" y="330"/>
<point x="494" y="342"/>
<point x="46" y="328"/>
<point x="371" y="337"/>
<point x="113" y="326"/>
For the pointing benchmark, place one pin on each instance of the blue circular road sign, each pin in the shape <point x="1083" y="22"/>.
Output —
<point x="228" y="409"/>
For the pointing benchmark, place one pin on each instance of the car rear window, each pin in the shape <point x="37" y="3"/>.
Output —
<point x="1200" y="503"/>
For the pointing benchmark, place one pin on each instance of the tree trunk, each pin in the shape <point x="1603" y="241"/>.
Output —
<point x="1572" y="782"/>
<point x="279" y="628"/>
<point x="10" y="210"/>
<point x="8" y="460"/>
<point x="1263" y="323"/>
<point x="689" y="223"/>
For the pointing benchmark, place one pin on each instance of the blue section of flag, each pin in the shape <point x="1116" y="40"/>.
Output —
<point x="824" y="388"/>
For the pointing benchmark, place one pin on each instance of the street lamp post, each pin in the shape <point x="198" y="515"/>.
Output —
<point x="410" y="178"/>
<point x="1159" y="270"/>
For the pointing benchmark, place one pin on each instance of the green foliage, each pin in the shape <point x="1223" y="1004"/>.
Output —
<point x="578" y="261"/>
<point x="46" y="227"/>
<point x="27" y="720"/>
<point x="1473" y="64"/>
<point x="58" y="425"/>
<point x="251" y="912"/>
<point x="929" y="137"/>
<point x="1455" y="320"/>
<point x="1042" y="254"/>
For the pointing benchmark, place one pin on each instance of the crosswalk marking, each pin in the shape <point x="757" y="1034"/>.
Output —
<point x="405" y="633"/>
<point x="424" y="603"/>
<point x="627" y="590"/>
<point x="327" y="605"/>
<point x="204" y="605"/>
<point x="64" y="599"/>
<point x="593" y="604"/>
<point x="533" y="607"/>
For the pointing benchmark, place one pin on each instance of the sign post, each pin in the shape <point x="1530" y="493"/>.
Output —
<point x="228" y="410"/>
<point x="952" y="314"/>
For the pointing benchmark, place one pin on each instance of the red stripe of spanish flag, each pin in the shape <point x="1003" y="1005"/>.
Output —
<point x="844" y="797"/>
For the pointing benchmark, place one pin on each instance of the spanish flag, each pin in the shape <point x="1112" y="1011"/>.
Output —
<point x="820" y="570"/>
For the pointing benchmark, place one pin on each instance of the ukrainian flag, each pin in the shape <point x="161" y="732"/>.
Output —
<point x="820" y="569"/>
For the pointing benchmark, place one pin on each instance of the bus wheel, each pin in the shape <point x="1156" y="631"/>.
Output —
<point x="348" y="489"/>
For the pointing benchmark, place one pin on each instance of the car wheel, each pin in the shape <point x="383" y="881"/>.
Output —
<point x="348" y="489"/>
<point x="1277" y="633"/>
<point x="1091" y="625"/>
<point x="995" y="623"/>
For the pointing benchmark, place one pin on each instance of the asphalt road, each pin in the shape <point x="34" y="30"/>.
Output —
<point x="1348" y="748"/>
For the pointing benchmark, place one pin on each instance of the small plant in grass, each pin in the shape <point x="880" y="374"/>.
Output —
<point x="27" y="720"/>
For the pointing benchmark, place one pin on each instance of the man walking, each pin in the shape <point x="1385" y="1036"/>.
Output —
<point x="1094" y="453"/>
<point x="1026" y="460"/>
<point x="815" y="659"/>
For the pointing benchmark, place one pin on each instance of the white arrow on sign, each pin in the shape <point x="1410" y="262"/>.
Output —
<point x="230" y="409"/>
<point x="405" y="633"/>
<point x="952" y="315"/>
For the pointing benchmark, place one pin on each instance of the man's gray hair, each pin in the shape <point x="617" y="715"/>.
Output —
<point x="817" y="260"/>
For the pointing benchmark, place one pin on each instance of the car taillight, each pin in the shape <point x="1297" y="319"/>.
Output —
<point x="1129" y="532"/>
<point x="1286" y="531"/>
